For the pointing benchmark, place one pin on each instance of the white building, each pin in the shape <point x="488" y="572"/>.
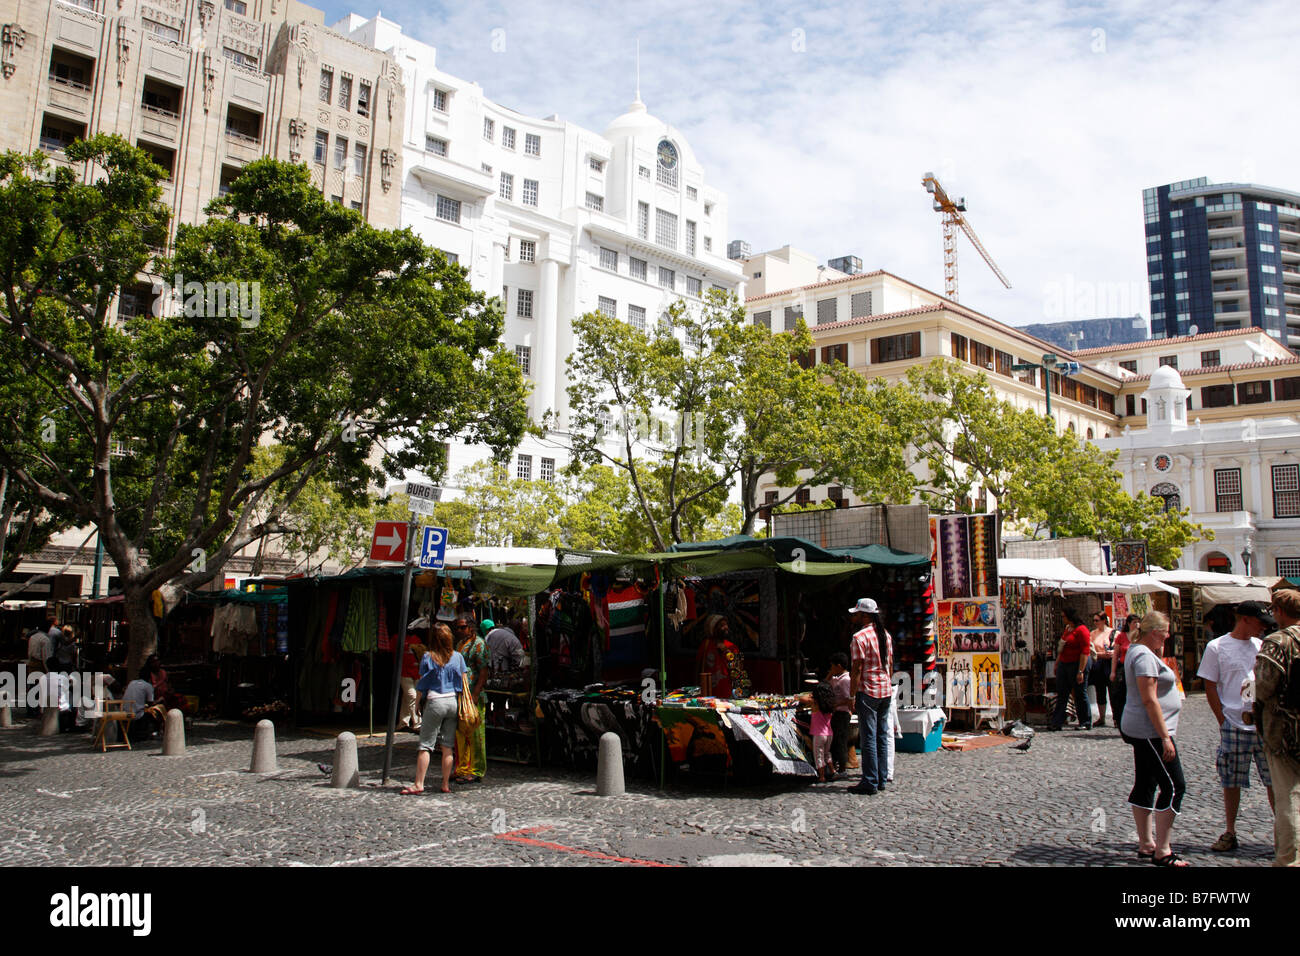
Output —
<point x="1240" y="478"/>
<point x="555" y="219"/>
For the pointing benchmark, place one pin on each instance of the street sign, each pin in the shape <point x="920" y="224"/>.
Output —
<point x="433" y="550"/>
<point x="388" y="541"/>
<point x="422" y="496"/>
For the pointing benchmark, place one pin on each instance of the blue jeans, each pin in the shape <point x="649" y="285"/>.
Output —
<point x="873" y="739"/>
<point x="1067" y="681"/>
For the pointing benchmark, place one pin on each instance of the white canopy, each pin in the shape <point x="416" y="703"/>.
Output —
<point x="1064" y="575"/>
<point x="470" y="557"/>
<point x="1214" y="579"/>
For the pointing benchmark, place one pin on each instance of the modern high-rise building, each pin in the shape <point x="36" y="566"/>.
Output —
<point x="1223" y="257"/>
<point x="554" y="219"/>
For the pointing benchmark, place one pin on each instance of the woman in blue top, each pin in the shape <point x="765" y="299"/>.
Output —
<point x="442" y="675"/>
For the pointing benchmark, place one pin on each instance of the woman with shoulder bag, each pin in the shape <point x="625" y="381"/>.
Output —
<point x="442" y="677"/>
<point x="1123" y="640"/>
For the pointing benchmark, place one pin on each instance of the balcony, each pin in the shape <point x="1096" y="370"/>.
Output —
<point x="1226" y="288"/>
<point x="242" y="147"/>
<point x="69" y="96"/>
<point x="1231" y="265"/>
<point x="159" y="123"/>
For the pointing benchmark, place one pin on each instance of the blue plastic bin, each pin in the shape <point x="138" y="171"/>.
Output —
<point x="916" y="744"/>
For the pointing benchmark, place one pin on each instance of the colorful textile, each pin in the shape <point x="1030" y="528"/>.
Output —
<point x="627" y="614"/>
<point x="1131" y="557"/>
<point x="471" y="741"/>
<point x="362" y="622"/>
<point x="954" y="557"/>
<point x="984" y="555"/>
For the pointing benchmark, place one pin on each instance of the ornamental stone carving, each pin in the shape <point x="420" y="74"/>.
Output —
<point x="323" y="117"/>
<point x="388" y="165"/>
<point x="12" y="38"/>
<point x="124" y="39"/>
<point x="297" y="131"/>
<point x="207" y="9"/>
<point x="343" y="122"/>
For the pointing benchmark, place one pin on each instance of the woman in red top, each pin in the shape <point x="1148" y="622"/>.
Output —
<point x="1072" y="671"/>
<point x="410" y="716"/>
<point x="1118" y="689"/>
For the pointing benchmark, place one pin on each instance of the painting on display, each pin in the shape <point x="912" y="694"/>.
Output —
<point x="986" y="680"/>
<point x="965" y="556"/>
<point x="1131" y="557"/>
<point x="943" y="630"/>
<point x="960" y="692"/>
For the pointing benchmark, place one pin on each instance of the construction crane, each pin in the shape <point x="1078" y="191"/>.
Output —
<point x="954" y="218"/>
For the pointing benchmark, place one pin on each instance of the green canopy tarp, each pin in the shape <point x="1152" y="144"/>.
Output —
<point x="882" y="555"/>
<point x="786" y="549"/>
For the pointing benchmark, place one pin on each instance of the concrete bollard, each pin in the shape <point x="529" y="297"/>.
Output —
<point x="49" y="722"/>
<point x="174" y="734"/>
<point x="345" y="773"/>
<point x="609" y="766"/>
<point x="6" y="718"/>
<point x="264" y="748"/>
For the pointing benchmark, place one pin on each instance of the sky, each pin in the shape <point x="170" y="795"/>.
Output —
<point x="819" y="120"/>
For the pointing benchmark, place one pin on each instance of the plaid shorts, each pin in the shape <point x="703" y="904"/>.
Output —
<point x="1236" y="750"/>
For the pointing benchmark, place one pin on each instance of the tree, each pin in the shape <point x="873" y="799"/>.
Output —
<point x="508" y="511"/>
<point x="968" y="439"/>
<point x="359" y="351"/>
<point x="706" y="401"/>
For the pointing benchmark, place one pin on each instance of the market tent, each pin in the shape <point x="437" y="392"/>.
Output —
<point x="1211" y="596"/>
<point x="883" y="555"/>
<point x="786" y="549"/>
<point x="1201" y="578"/>
<point x="1064" y="575"/>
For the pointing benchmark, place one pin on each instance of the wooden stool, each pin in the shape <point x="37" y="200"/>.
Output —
<point x="114" y="712"/>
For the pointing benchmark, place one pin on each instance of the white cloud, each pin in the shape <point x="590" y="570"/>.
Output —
<point x="1049" y="117"/>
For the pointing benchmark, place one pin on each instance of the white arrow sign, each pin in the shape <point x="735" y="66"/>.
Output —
<point x="393" y="542"/>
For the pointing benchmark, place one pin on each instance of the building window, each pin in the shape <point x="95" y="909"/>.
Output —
<point x="440" y="100"/>
<point x="524" y="304"/>
<point x="1254" y="393"/>
<point x="643" y="172"/>
<point x="237" y="6"/>
<point x="336" y="200"/>
<point x="595" y="203"/>
<point x="524" y="467"/>
<point x="448" y="210"/>
<point x="532" y="144"/>
<point x="636" y="268"/>
<point x="690" y="237"/>
<point x="665" y="228"/>
<point x="1286" y="389"/>
<point x="793" y="313"/>
<point x="694" y="286"/>
<point x="166" y="32"/>
<point x="507" y="189"/>
<point x="433" y="144"/>
<point x="530" y="192"/>
<point x="607" y="306"/>
<point x="636" y="317"/>
<point x="826" y="311"/>
<point x="508" y="137"/>
<point x="835" y="493"/>
<point x="489" y="129"/>
<point x="1169" y="494"/>
<point x="1227" y="489"/>
<point x="803" y="496"/>
<point x="836" y="353"/>
<point x="322" y="145"/>
<point x="363" y="99"/>
<point x="340" y="152"/>
<point x="708" y="244"/>
<point x="1129" y="365"/>
<point x="547" y="471"/>
<point x="596" y="165"/>
<point x="667" y="278"/>
<point x="527" y="250"/>
<point x="239" y="58"/>
<point x="1130" y="405"/>
<point x="326" y="84"/>
<point x="359" y="159"/>
<point x="1169" y="360"/>
<point x="860" y="305"/>
<point x="524" y="358"/>
<point x="1286" y="491"/>
<point x="895" y="348"/>
<point x="1210" y="359"/>
<point x="1217" y="396"/>
<point x="487" y="170"/>
<point x="345" y="92"/>
<point x="1288" y="567"/>
<point x="608" y="259"/>
<point x="764" y="319"/>
<point x="960" y="346"/>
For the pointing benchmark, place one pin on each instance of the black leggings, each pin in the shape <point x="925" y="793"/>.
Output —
<point x="1118" y="698"/>
<point x="1152" y="773"/>
<point x="1099" y="677"/>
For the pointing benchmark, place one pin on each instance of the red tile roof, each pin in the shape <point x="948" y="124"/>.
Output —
<point x="1226" y="333"/>
<point x="1237" y="367"/>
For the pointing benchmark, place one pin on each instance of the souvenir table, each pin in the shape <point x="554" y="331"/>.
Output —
<point x="712" y="725"/>
<point x="574" y="721"/>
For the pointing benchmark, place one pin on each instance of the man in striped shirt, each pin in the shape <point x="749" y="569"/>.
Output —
<point x="873" y="660"/>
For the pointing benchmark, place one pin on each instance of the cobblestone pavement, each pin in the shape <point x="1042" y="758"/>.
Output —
<point x="1063" y="802"/>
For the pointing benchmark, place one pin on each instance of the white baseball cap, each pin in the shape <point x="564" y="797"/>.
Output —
<point x="865" y="606"/>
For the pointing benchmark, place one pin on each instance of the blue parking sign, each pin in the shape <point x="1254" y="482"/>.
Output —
<point x="433" y="550"/>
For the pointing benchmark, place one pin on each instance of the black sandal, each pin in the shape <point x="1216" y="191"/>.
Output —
<point x="1146" y="856"/>
<point x="1173" y="860"/>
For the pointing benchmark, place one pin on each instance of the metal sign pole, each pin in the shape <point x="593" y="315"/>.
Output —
<point x="400" y="649"/>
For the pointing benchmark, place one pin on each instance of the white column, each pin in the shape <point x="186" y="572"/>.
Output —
<point x="1200" y="475"/>
<point x="496" y="272"/>
<point x="1253" y="500"/>
<point x="545" y="372"/>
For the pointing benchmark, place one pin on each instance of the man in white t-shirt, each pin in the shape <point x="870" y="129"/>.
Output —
<point x="1227" y="662"/>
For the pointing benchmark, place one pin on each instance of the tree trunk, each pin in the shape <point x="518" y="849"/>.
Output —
<point x="144" y="630"/>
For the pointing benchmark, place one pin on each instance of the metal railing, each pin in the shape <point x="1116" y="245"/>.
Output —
<point x="70" y="84"/>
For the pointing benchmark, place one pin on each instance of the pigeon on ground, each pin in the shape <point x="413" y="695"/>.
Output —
<point x="1024" y="744"/>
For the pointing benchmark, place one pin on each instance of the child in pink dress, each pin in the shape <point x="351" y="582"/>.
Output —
<point x="823" y="706"/>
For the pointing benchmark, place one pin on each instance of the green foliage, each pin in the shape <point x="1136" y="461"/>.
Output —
<point x="367" y="353"/>
<point x="967" y="438"/>
<point x="737" y="405"/>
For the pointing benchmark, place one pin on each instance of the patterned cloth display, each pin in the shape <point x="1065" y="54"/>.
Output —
<point x="1131" y="557"/>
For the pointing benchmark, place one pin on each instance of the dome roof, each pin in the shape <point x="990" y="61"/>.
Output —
<point x="635" y="122"/>
<point x="1166" y="377"/>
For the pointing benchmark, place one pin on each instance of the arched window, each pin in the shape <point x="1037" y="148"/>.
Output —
<point x="1169" y="494"/>
<point x="1090" y="434"/>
